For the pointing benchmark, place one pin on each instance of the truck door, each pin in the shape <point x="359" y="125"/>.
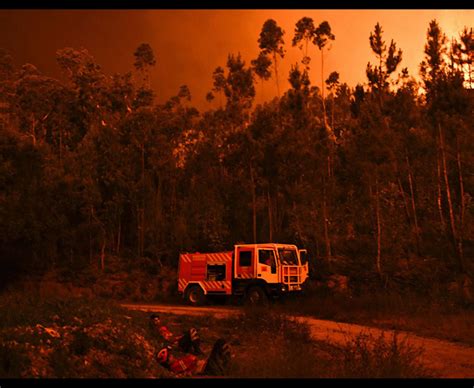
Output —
<point x="267" y="265"/>
<point x="244" y="263"/>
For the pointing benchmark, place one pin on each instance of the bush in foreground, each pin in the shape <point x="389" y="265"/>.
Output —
<point x="98" y="339"/>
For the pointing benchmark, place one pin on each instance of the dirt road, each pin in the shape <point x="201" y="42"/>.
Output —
<point x="446" y="359"/>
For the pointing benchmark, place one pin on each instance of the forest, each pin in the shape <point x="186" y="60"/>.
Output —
<point x="375" y="180"/>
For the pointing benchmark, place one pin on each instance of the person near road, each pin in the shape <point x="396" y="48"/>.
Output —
<point x="217" y="364"/>
<point x="188" y="342"/>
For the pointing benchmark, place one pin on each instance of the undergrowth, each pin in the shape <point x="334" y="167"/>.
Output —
<point x="76" y="338"/>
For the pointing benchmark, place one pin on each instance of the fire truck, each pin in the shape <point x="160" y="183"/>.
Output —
<point x="254" y="272"/>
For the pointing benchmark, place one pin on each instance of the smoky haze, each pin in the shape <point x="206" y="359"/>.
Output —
<point x="190" y="44"/>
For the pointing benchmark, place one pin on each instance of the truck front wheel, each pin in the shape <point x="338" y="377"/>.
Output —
<point x="195" y="296"/>
<point x="256" y="296"/>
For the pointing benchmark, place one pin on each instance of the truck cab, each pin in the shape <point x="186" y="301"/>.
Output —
<point x="275" y="268"/>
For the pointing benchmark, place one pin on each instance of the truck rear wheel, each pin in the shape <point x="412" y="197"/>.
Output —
<point x="195" y="296"/>
<point x="256" y="296"/>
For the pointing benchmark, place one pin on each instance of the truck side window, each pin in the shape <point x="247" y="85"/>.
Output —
<point x="216" y="272"/>
<point x="245" y="258"/>
<point x="266" y="256"/>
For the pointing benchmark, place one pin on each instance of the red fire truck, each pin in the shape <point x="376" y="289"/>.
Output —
<point x="253" y="271"/>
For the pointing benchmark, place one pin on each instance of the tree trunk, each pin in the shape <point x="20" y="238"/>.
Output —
<point x="405" y="203"/>
<point x="254" y="206"/>
<point x="332" y="113"/>
<point x="33" y="130"/>
<point x="142" y="210"/>
<point x="279" y="209"/>
<point x="413" y="206"/>
<point x="440" y="197"/>
<point x="90" y="236"/>
<point x="102" y="255"/>
<point x="270" y="218"/>
<point x="119" y="232"/>
<point x="316" y="234"/>
<point x="379" y="227"/>
<point x="326" y="223"/>
<point x="276" y="74"/>
<point x="139" y="226"/>
<point x="174" y="197"/>
<point x="158" y="219"/>
<point x="463" y="205"/>
<point x="299" y="230"/>
<point x="380" y="82"/>
<point x="60" y="147"/>
<point x="142" y="232"/>
<point x="103" y="237"/>
<point x="329" y="165"/>
<point x="469" y="66"/>
<point x="448" y="194"/>
<point x="322" y="89"/>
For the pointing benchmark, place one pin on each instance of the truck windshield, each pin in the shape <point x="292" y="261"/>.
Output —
<point x="288" y="256"/>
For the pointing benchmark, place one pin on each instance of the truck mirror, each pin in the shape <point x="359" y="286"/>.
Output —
<point x="273" y="268"/>
<point x="303" y="256"/>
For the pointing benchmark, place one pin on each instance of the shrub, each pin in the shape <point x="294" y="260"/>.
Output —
<point x="272" y="344"/>
<point x="381" y="357"/>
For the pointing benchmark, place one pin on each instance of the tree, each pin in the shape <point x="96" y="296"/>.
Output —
<point x="260" y="67"/>
<point x="433" y="66"/>
<point x="432" y="70"/>
<point x="7" y="86"/>
<point x="463" y="55"/>
<point x="144" y="61"/>
<point x="239" y="90"/>
<point x="219" y="82"/>
<point x="304" y="34"/>
<point x="86" y="82"/>
<point x="37" y="100"/>
<point x="447" y="105"/>
<point x="381" y="149"/>
<point x="332" y="83"/>
<point x="6" y="66"/>
<point x="271" y="43"/>
<point x="25" y="219"/>
<point x="388" y="61"/>
<point x="322" y="35"/>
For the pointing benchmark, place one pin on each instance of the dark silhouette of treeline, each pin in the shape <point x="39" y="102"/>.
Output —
<point x="375" y="181"/>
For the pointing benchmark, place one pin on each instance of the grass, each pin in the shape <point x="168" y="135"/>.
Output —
<point x="273" y="345"/>
<point x="435" y="318"/>
<point x="98" y="339"/>
<point x="365" y="356"/>
<point x="278" y="346"/>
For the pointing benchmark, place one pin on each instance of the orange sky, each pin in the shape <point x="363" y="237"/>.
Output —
<point x="190" y="44"/>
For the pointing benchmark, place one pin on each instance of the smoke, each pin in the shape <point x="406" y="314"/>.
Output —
<point x="190" y="44"/>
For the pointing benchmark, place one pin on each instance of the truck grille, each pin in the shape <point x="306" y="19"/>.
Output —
<point x="292" y="275"/>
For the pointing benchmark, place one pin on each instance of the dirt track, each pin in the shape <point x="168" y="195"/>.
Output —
<point x="446" y="359"/>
